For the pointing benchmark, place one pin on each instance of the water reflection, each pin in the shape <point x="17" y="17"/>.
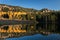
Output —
<point x="48" y="27"/>
<point x="16" y="30"/>
<point x="38" y="37"/>
<point x="7" y="31"/>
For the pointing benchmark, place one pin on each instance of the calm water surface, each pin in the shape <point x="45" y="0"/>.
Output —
<point x="31" y="30"/>
<point x="38" y="37"/>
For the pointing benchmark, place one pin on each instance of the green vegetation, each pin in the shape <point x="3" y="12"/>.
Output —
<point x="5" y="16"/>
<point x="48" y="19"/>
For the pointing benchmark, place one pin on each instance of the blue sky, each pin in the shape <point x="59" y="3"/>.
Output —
<point x="36" y="4"/>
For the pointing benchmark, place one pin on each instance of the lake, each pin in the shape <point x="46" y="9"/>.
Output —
<point x="38" y="37"/>
<point x="30" y="32"/>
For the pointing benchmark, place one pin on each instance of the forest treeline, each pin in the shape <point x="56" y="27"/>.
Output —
<point x="47" y="19"/>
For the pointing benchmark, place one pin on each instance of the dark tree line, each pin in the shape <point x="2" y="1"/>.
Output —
<point x="52" y="21"/>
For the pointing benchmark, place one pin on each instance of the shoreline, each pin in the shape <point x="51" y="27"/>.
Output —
<point x="12" y="22"/>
